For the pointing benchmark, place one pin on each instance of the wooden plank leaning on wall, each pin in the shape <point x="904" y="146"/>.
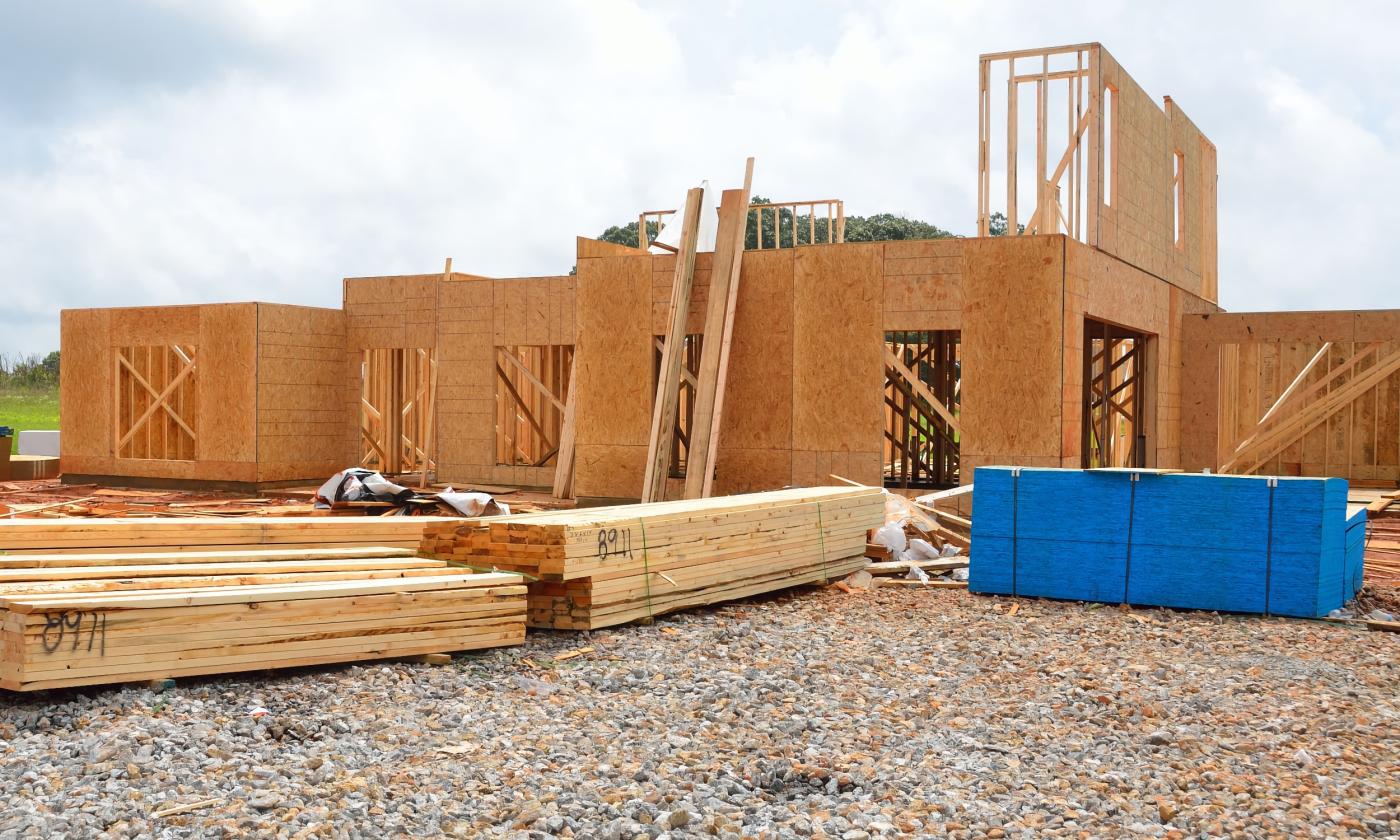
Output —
<point x="703" y="452"/>
<point x="663" y="419"/>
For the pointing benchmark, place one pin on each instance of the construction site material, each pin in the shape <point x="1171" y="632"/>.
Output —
<point x="1297" y="393"/>
<point x="1241" y="544"/>
<point x="702" y="446"/>
<point x="611" y="565"/>
<point x="163" y="534"/>
<point x="1382" y="546"/>
<point x="230" y="395"/>
<point x="69" y="620"/>
<point x="39" y="442"/>
<point x="665" y="405"/>
<point x="33" y="467"/>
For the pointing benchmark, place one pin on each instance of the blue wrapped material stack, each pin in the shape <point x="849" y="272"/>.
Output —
<point x="1213" y="542"/>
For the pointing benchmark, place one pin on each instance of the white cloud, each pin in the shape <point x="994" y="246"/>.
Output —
<point x="312" y="141"/>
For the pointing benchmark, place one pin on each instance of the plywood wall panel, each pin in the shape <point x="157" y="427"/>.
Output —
<point x="85" y="384"/>
<point x="838" y="347"/>
<point x="1012" y="344"/>
<point x="1253" y="356"/>
<point x="613" y="371"/>
<point x="227" y="383"/>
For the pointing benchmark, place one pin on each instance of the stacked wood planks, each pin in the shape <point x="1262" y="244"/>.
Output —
<point x="80" y="619"/>
<point x="599" y="567"/>
<point x="45" y="536"/>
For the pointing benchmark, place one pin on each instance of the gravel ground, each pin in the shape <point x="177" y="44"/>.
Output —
<point x="820" y="713"/>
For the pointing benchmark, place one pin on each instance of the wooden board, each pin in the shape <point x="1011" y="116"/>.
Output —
<point x="602" y="566"/>
<point x="125" y="618"/>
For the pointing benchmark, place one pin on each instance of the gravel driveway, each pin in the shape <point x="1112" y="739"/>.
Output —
<point x="818" y="713"/>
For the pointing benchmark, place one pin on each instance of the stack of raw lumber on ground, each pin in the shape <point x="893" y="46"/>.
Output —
<point x="1383" y="546"/>
<point x="599" y="567"/>
<point x="81" y="619"/>
<point x="36" y="536"/>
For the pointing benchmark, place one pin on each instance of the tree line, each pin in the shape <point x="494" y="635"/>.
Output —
<point x="879" y="227"/>
<point x="29" y="371"/>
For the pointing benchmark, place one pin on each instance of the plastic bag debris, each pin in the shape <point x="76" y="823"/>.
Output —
<point x="891" y="536"/>
<point x="360" y="485"/>
<point x="473" y="504"/>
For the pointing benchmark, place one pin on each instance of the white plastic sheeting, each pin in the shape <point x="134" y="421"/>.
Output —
<point x="670" y="233"/>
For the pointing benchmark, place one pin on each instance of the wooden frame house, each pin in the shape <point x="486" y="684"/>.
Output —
<point x="1086" y="334"/>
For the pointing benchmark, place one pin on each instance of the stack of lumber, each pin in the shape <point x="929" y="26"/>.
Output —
<point x="85" y="619"/>
<point x="599" y="567"/>
<point x="44" y="536"/>
<point x="1383" y="547"/>
<point x="1281" y="546"/>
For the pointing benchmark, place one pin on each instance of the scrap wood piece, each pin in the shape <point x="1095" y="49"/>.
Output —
<point x="572" y="654"/>
<point x="703" y="449"/>
<point x="926" y="584"/>
<point x="174" y="810"/>
<point x="895" y="567"/>
<point x="663" y="419"/>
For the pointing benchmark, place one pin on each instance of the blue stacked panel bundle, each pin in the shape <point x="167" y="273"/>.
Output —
<point x="1199" y="541"/>
<point x="1227" y="543"/>
<point x="1355" y="540"/>
<point x="1067" y="533"/>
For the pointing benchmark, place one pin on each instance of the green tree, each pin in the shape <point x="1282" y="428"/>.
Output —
<point x="996" y="225"/>
<point x="876" y="228"/>
<point x="627" y="234"/>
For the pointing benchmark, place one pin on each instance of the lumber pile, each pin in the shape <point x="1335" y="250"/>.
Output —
<point x="44" y="536"/>
<point x="86" y="619"/>
<point x="1383" y="547"/>
<point x="599" y="567"/>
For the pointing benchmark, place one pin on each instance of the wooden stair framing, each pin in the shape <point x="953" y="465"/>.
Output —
<point x="921" y="431"/>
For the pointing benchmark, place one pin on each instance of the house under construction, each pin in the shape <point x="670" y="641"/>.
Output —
<point x="1087" y="335"/>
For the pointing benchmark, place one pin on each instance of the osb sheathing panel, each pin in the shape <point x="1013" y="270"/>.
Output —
<point x="758" y="400"/>
<point x="1011" y="351"/>
<point x="1136" y="223"/>
<point x="227" y="383"/>
<point x="663" y="277"/>
<point x="391" y="312"/>
<point x="465" y="430"/>
<point x="533" y="311"/>
<point x="302" y="386"/>
<point x="923" y="285"/>
<point x="1107" y="289"/>
<point x="1187" y="264"/>
<point x="613" y="372"/>
<point x="85" y="385"/>
<point x="756" y="423"/>
<point x="838" y="348"/>
<point x="588" y="248"/>
<point x="1236" y="365"/>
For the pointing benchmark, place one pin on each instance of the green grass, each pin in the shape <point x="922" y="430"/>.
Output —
<point x="23" y="410"/>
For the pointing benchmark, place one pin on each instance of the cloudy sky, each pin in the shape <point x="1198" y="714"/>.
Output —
<point x="154" y="151"/>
